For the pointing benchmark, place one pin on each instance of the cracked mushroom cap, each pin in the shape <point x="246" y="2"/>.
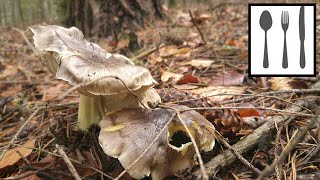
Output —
<point x="71" y="58"/>
<point x="126" y="133"/>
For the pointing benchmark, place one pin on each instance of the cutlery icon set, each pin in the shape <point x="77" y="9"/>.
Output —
<point x="266" y="23"/>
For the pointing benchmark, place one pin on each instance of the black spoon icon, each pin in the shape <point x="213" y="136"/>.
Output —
<point x="265" y="24"/>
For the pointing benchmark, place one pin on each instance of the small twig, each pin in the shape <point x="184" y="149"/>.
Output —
<point x="24" y="158"/>
<point x="80" y="156"/>
<point x="25" y="38"/>
<point x="226" y="144"/>
<point x="66" y="159"/>
<point x="146" y="53"/>
<point x="195" y="24"/>
<point x="15" y="137"/>
<point x="289" y="147"/>
<point x="145" y="151"/>
<point x="313" y="153"/>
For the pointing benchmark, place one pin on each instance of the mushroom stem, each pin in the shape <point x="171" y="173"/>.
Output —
<point x="89" y="111"/>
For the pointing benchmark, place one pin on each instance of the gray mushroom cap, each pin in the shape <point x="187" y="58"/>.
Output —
<point x="71" y="58"/>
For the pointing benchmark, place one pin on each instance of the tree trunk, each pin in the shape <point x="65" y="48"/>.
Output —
<point x="102" y="18"/>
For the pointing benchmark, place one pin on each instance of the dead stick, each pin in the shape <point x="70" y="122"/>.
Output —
<point x="195" y="24"/>
<point x="70" y="166"/>
<point x="226" y="144"/>
<point x="289" y="147"/>
<point x="146" y="53"/>
<point x="247" y="143"/>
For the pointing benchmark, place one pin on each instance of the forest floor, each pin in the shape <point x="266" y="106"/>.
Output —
<point x="206" y="55"/>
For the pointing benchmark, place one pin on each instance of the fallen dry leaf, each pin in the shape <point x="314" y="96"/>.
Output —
<point x="168" y="51"/>
<point x="286" y="83"/>
<point x="167" y="75"/>
<point x="227" y="78"/>
<point x="188" y="78"/>
<point x="200" y="63"/>
<point x="202" y="18"/>
<point x="216" y="90"/>
<point x="11" y="157"/>
<point x="185" y="87"/>
<point x="8" y="71"/>
<point x="54" y="91"/>
<point x="11" y="91"/>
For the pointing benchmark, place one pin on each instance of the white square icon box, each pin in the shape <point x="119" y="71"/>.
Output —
<point x="282" y="40"/>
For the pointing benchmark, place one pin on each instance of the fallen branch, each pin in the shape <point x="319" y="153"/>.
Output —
<point x="247" y="143"/>
<point x="66" y="159"/>
<point x="226" y="144"/>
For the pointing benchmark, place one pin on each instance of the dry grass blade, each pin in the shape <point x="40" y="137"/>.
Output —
<point x="289" y="147"/>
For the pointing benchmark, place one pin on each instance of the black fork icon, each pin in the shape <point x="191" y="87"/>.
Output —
<point x="285" y="25"/>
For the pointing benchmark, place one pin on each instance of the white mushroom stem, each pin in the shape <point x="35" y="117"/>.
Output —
<point x="93" y="108"/>
<point x="89" y="111"/>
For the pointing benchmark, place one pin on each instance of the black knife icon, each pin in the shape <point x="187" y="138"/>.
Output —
<point x="302" y="37"/>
